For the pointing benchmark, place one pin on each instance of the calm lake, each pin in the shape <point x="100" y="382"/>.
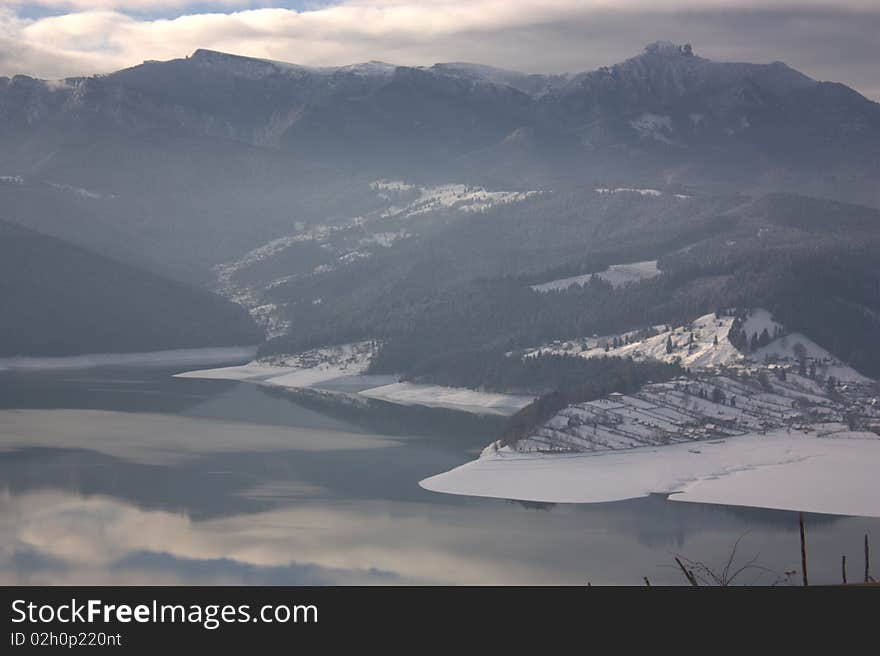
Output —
<point x="128" y="476"/>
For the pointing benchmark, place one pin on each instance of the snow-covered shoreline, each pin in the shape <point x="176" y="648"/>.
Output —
<point x="145" y="358"/>
<point x="344" y="367"/>
<point x="454" y="398"/>
<point x="780" y="470"/>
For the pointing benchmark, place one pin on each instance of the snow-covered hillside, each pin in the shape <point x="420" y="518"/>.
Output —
<point x="410" y="200"/>
<point x="405" y="208"/>
<point x="704" y="343"/>
<point x="694" y="345"/>
<point x="655" y="126"/>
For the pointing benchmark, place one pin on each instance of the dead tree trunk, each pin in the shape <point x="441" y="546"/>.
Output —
<point x="803" y="548"/>
<point x="688" y="574"/>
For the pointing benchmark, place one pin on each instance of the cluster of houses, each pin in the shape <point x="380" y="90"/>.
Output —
<point x="718" y="402"/>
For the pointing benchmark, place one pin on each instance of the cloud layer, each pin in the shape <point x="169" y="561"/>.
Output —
<point x="827" y="40"/>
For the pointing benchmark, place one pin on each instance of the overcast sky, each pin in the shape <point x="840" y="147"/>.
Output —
<point x="827" y="39"/>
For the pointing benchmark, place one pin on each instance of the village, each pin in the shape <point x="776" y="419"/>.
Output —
<point x="715" y="403"/>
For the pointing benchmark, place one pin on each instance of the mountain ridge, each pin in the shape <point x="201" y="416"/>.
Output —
<point x="665" y="94"/>
<point x="186" y="147"/>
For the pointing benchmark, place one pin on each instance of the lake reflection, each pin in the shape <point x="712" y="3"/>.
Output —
<point x="130" y="476"/>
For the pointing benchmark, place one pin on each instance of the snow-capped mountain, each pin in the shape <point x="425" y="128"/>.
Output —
<point x="678" y="111"/>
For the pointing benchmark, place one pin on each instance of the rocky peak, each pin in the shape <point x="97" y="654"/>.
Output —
<point x="668" y="49"/>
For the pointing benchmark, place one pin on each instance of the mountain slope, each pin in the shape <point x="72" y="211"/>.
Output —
<point x="57" y="299"/>
<point x="470" y="285"/>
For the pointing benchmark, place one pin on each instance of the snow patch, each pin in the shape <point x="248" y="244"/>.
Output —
<point x="654" y="126"/>
<point x="637" y="190"/>
<point x="617" y="275"/>
<point x="370" y="69"/>
<point x="464" y="198"/>
<point x="343" y="368"/>
<point x="456" y="398"/>
<point x="634" y="190"/>
<point x="79" y="191"/>
<point x="300" y="370"/>
<point x="396" y="186"/>
<point x="384" y="239"/>
<point x="621" y="274"/>
<point x="759" y="320"/>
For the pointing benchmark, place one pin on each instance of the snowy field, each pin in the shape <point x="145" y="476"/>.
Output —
<point x="779" y="470"/>
<point x="149" y="358"/>
<point x="617" y="275"/>
<point x="637" y="190"/>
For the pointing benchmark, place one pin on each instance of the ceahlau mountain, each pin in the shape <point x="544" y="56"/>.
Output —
<point x="666" y="113"/>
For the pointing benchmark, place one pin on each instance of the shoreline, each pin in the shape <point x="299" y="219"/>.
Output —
<point x="343" y="368"/>
<point x="779" y="471"/>
<point x="206" y="355"/>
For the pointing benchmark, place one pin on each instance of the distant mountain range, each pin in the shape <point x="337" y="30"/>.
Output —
<point x="310" y="194"/>
<point x="665" y="114"/>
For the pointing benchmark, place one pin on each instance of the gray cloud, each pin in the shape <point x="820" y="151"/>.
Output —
<point x="826" y="40"/>
<point x="135" y="5"/>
